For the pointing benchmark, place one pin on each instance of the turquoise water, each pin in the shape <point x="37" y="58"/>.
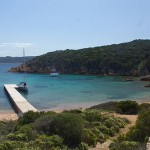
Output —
<point x="71" y="91"/>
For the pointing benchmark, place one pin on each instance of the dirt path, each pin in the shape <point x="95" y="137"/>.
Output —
<point x="131" y="118"/>
<point x="105" y="145"/>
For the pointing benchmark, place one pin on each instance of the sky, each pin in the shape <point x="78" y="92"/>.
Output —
<point x="41" y="26"/>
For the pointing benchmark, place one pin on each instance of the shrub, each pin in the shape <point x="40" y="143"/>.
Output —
<point x="144" y="107"/>
<point x="7" y="127"/>
<point x="42" y="124"/>
<point x="89" y="137"/>
<point x="6" y="146"/>
<point x="69" y="126"/>
<point x="141" y="131"/>
<point x="92" y="116"/>
<point x="83" y="146"/>
<point x="127" y="107"/>
<point x="48" y="142"/>
<point x="138" y="135"/>
<point x="29" y="131"/>
<point x="108" y="106"/>
<point x="17" y="137"/>
<point x="28" y="117"/>
<point x="104" y="129"/>
<point x="74" y="111"/>
<point x="124" y="145"/>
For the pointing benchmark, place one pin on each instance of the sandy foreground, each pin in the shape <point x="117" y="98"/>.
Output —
<point x="8" y="116"/>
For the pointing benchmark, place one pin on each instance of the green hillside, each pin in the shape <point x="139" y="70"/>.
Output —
<point x="132" y="58"/>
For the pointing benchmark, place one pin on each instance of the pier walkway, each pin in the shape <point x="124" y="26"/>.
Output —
<point x="21" y="105"/>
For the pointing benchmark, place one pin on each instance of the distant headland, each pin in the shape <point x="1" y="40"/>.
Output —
<point x="129" y="59"/>
<point x="9" y="59"/>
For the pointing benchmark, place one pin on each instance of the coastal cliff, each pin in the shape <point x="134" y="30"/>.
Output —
<point x="132" y="58"/>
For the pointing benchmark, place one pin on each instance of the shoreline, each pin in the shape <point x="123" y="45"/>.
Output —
<point x="8" y="115"/>
<point x="11" y="115"/>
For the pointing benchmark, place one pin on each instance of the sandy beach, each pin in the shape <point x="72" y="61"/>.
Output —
<point x="8" y="116"/>
<point x="11" y="115"/>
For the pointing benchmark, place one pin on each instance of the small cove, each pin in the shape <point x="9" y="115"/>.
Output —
<point x="71" y="91"/>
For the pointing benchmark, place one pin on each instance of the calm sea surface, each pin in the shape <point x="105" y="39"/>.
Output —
<point x="71" y="91"/>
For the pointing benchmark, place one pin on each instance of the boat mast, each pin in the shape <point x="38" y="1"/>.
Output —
<point x="24" y="65"/>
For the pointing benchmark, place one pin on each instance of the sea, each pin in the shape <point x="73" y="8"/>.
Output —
<point x="70" y="91"/>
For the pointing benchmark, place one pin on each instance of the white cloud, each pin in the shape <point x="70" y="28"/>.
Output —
<point x="17" y="44"/>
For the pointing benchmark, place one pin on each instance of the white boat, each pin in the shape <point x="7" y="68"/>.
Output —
<point x="54" y="73"/>
<point x="23" y="85"/>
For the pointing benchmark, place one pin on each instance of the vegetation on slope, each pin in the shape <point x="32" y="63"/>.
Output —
<point x="122" y="107"/>
<point x="132" y="58"/>
<point x="68" y="130"/>
<point x="138" y="135"/>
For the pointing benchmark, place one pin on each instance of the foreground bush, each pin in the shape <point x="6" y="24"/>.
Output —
<point x="127" y="107"/>
<point x="69" y="126"/>
<point x="122" y="107"/>
<point x="143" y="107"/>
<point x="100" y="126"/>
<point x="127" y="145"/>
<point x="67" y="130"/>
<point x="28" y="117"/>
<point x="141" y="131"/>
<point x="108" y="106"/>
<point x="137" y="137"/>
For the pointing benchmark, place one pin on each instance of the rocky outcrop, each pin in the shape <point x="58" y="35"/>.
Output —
<point x="145" y="78"/>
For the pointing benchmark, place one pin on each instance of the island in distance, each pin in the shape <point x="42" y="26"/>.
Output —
<point x="129" y="59"/>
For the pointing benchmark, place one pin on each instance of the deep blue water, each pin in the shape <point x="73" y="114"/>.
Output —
<point x="70" y="91"/>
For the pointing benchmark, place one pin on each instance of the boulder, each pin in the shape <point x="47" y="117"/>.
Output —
<point x="145" y="78"/>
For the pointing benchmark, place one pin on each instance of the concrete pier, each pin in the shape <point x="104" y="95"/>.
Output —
<point x="20" y="104"/>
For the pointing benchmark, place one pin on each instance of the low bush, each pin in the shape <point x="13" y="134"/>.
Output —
<point x="124" y="145"/>
<point x="28" y="117"/>
<point x="144" y="107"/>
<point x="108" y="106"/>
<point x="45" y="142"/>
<point x="92" y="116"/>
<point x="29" y="131"/>
<point x="141" y="131"/>
<point x="127" y="107"/>
<point x="69" y="126"/>
<point x="42" y="124"/>
<point x="7" y="127"/>
<point x="137" y="137"/>
<point x="67" y="130"/>
<point x="89" y="137"/>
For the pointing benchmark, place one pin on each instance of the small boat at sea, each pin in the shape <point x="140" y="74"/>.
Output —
<point x="147" y="85"/>
<point x="54" y="73"/>
<point x="129" y="79"/>
<point x="23" y="85"/>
